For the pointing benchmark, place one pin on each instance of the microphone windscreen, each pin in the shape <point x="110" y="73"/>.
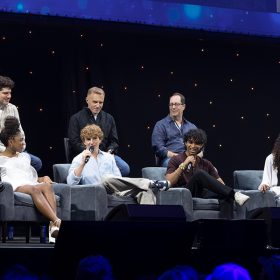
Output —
<point x="189" y="167"/>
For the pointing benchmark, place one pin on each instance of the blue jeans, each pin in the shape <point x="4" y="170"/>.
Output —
<point x="122" y="165"/>
<point x="164" y="162"/>
<point x="35" y="162"/>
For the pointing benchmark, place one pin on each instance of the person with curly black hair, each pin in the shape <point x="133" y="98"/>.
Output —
<point x="198" y="174"/>
<point x="271" y="172"/>
<point x="16" y="169"/>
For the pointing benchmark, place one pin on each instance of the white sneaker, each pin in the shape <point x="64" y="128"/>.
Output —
<point x="240" y="198"/>
<point x="51" y="239"/>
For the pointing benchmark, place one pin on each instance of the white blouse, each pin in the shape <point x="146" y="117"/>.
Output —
<point x="17" y="170"/>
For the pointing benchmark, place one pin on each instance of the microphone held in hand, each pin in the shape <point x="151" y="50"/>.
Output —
<point x="91" y="149"/>
<point x="189" y="167"/>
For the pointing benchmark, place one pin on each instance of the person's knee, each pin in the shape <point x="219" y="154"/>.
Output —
<point x="49" y="187"/>
<point x="35" y="191"/>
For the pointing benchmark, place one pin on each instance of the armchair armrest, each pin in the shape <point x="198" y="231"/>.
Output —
<point x="60" y="172"/>
<point x="177" y="196"/>
<point x="7" y="209"/>
<point x="88" y="202"/>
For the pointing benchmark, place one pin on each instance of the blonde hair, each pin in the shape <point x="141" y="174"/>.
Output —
<point x="96" y="90"/>
<point x="91" y="131"/>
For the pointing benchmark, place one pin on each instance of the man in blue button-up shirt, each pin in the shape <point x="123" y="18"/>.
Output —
<point x="168" y="133"/>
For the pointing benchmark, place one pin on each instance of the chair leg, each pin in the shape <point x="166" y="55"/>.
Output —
<point x="4" y="226"/>
<point x="27" y="233"/>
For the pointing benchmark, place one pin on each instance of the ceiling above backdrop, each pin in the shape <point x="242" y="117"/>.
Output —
<point x="252" y="17"/>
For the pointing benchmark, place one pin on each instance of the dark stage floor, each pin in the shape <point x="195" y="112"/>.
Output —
<point x="143" y="248"/>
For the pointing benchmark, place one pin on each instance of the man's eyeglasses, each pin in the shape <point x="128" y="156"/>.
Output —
<point x="175" y="104"/>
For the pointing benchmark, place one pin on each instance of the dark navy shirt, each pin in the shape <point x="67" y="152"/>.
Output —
<point x="168" y="137"/>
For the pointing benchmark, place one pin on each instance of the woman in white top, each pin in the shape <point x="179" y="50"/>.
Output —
<point x="16" y="169"/>
<point x="271" y="171"/>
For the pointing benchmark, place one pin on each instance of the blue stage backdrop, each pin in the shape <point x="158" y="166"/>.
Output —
<point x="252" y="17"/>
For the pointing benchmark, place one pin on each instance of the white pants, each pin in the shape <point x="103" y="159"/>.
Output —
<point x="135" y="187"/>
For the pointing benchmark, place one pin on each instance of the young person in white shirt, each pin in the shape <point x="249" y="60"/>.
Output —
<point x="16" y="169"/>
<point x="271" y="172"/>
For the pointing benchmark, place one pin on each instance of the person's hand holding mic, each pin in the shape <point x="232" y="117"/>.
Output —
<point x="188" y="163"/>
<point x="88" y="153"/>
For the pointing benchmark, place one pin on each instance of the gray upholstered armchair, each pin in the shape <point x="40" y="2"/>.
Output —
<point x="248" y="181"/>
<point x="178" y="196"/>
<point x="19" y="207"/>
<point x="195" y="208"/>
<point x="91" y="202"/>
<point x="88" y="202"/>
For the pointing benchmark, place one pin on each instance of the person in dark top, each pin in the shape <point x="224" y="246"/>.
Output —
<point x="198" y="174"/>
<point x="93" y="114"/>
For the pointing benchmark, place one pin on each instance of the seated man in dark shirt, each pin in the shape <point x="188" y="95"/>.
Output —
<point x="93" y="114"/>
<point x="198" y="174"/>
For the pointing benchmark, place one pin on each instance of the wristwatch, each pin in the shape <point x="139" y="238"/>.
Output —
<point x="182" y="166"/>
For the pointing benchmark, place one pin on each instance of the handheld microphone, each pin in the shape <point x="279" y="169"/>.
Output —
<point x="189" y="167"/>
<point x="91" y="149"/>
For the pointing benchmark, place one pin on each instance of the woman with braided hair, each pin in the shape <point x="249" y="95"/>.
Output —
<point x="16" y="169"/>
<point x="271" y="173"/>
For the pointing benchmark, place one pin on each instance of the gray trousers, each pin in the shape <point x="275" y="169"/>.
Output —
<point x="135" y="187"/>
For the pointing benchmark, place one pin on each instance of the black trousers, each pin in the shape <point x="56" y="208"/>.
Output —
<point x="204" y="185"/>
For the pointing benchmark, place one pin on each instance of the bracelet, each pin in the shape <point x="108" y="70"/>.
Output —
<point x="182" y="166"/>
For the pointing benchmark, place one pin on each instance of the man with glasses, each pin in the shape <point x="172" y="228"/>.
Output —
<point x="168" y="133"/>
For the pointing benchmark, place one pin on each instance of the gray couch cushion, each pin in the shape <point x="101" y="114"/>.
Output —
<point x="26" y="199"/>
<point x="247" y="179"/>
<point x="206" y="204"/>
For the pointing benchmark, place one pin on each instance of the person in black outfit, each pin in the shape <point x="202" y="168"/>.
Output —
<point x="93" y="114"/>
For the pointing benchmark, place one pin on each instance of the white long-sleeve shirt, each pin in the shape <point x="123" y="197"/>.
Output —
<point x="269" y="173"/>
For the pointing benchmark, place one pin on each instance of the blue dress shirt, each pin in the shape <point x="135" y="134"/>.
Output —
<point x="169" y="137"/>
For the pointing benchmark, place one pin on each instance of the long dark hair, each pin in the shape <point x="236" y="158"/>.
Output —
<point x="10" y="130"/>
<point x="276" y="154"/>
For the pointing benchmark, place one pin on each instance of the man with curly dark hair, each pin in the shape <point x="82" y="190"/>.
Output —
<point x="9" y="109"/>
<point x="271" y="172"/>
<point x="198" y="174"/>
